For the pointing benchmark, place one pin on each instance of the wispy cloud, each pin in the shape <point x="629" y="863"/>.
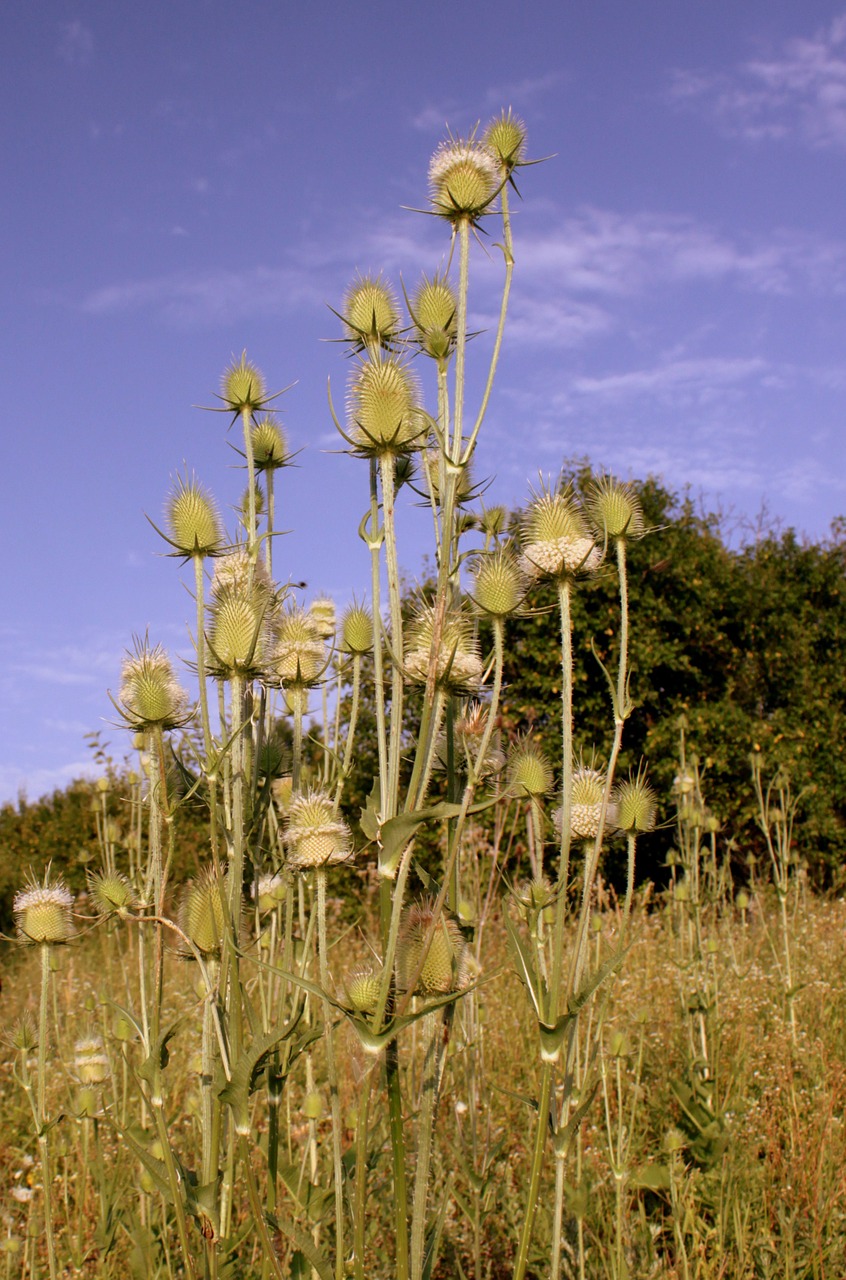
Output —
<point x="76" y="43"/>
<point x="201" y="298"/>
<point x="797" y="90"/>
<point x="525" y="95"/>
<point x="33" y="783"/>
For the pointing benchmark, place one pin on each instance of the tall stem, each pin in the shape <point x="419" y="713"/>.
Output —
<point x="332" y="1074"/>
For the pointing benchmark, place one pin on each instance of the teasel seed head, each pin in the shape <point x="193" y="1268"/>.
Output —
<point x="193" y="522"/>
<point x="534" y="897"/>
<point x="499" y="584"/>
<point x="529" y="770"/>
<point x="23" y="1036"/>
<point x="588" y="788"/>
<point x="636" y="805"/>
<point x="493" y="521"/>
<point x="505" y="136"/>
<point x="270" y="444"/>
<point x="111" y="893"/>
<point x="357" y="630"/>
<point x="383" y="408"/>
<point x="243" y="387"/>
<point x="363" y="986"/>
<point x="270" y="891"/>
<point x="555" y="539"/>
<point x="371" y="316"/>
<point x="150" y="694"/>
<point x="42" y="911"/>
<point x="299" y="654"/>
<point x="323" y="614"/>
<point x="463" y="179"/>
<point x="458" y="666"/>
<point x="433" y="310"/>
<point x="202" y="916"/>
<point x="446" y="967"/>
<point x="90" y="1060"/>
<point x="614" y="509"/>
<point x="313" y="834"/>
<point x="237" y="635"/>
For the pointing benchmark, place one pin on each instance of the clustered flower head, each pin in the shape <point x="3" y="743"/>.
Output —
<point x="363" y="986"/>
<point x="614" y="509"/>
<point x="499" y="583"/>
<point x="111" y="893"/>
<point x="240" y="614"/>
<point x="269" y="891"/>
<point x="463" y="179"/>
<point x="323" y="614"/>
<point x="529" y="770"/>
<point x="588" y="788"/>
<point x="243" y="387"/>
<point x="371" y="316"/>
<point x="383" y="408"/>
<point x="636" y="805"/>
<point x="90" y="1060"/>
<point x="555" y="539"/>
<point x="270" y="446"/>
<point x="357" y="630"/>
<point x="42" y="911"/>
<point x="299" y="654"/>
<point x="202" y="917"/>
<point x="446" y="966"/>
<point x="150" y="694"/>
<point x="505" y="136"/>
<point x="314" y="836"/>
<point x="433" y="310"/>
<point x="193" y="522"/>
<point x="456" y="661"/>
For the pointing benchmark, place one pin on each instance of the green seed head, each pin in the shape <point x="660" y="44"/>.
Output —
<point x="529" y="771"/>
<point x="492" y="521"/>
<point x="242" y="387"/>
<point x="202" y="916"/>
<point x="357" y="630"/>
<point x="383" y="408"/>
<point x="299" y="655"/>
<point x="499" y="584"/>
<point x="23" y="1037"/>
<point x="193" y="523"/>
<point x="446" y="965"/>
<point x="270" y="446"/>
<point x="111" y="893"/>
<point x="614" y="509"/>
<point x="149" y="692"/>
<point x="636" y="803"/>
<point x="90" y="1060"/>
<point x="313" y="835"/>
<point x="43" y="911"/>
<point x="371" y="316"/>
<point x="458" y="666"/>
<point x="463" y="179"/>
<point x="433" y="310"/>
<point x="586" y="802"/>
<point x="270" y="891"/>
<point x="505" y="136"/>
<point x="363" y="988"/>
<point x="238" y="632"/>
<point x="555" y="539"/>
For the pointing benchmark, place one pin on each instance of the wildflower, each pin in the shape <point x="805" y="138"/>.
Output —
<point x="240" y="614"/>
<point x="111" y="893"/>
<point x="588" y="788"/>
<point x="636" y="803"/>
<point x="202" y="917"/>
<point x="363" y="986"/>
<point x="433" y="311"/>
<point x="313" y="835"/>
<point x="270" y="447"/>
<point x="615" y="510"/>
<point x="23" y="1037"/>
<point x="499" y="584"/>
<point x="357" y="630"/>
<point x="43" y="911"/>
<point x="463" y="179"/>
<point x="555" y="539"/>
<point x="150" y="694"/>
<point x="192" y="519"/>
<point x="505" y="136"/>
<point x="446" y="966"/>
<point x="469" y="729"/>
<point x="383" y="408"/>
<point x="456" y="663"/>
<point x="371" y="317"/>
<point x="90" y="1060"/>
<point x="298" y="655"/>
<point x="322" y="612"/>
<point x="269" y="891"/>
<point x="529" y="770"/>
<point x="243" y="387"/>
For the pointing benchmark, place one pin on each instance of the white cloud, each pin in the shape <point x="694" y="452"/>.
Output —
<point x="76" y="43"/>
<point x="196" y="299"/>
<point x="31" y="784"/>
<point x="798" y="90"/>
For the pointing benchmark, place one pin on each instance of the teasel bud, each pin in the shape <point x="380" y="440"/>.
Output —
<point x="636" y="804"/>
<point x="555" y="539"/>
<point x="371" y="316"/>
<point x="614" y="509"/>
<point x="433" y="311"/>
<point x="383" y="408"/>
<point x="464" y="491"/>
<point x="23" y="1036"/>
<point x="458" y="667"/>
<point x="240" y="615"/>
<point x="446" y="967"/>
<point x="499" y="584"/>
<point x="42" y="911"/>
<point x="90" y="1060"/>
<point x="193" y="522"/>
<point x="111" y="893"/>
<point x="243" y="387"/>
<point x="493" y="521"/>
<point x="357" y="630"/>
<point x="299" y="654"/>
<point x="150" y="694"/>
<point x="463" y="179"/>
<point x="505" y="136"/>
<point x="529" y="770"/>
<point x="258" y="503"/>
<point x="270" y="445"/>
<point x="588" y="788"/>
<point x="202" y="917"/>
<point x="322" y="611"/>
<point x="363" y="986"/>
<point x="534" y="898"/>
<point x="313" y="834"/>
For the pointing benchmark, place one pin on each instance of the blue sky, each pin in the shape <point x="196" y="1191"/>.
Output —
<point x="184" y="180"/>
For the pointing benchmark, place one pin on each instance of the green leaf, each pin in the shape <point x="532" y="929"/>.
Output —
<point x="652" y="1177"/>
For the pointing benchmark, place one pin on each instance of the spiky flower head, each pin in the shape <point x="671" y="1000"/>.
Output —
<point x="238" y="571"/>
<point x="193" y="522"/>
<point x="492" y="521"/>
<point x="529" y="770"/>
<point x="636" y="805"/>
<point x="42" y="911"/>
<point x="357" y="630"/>
<point x="150" y="694"/>
<point x="111" y="893"/>
<point x="446" y="966"/>
<point x="463" y="179"/>
<point x="588" y="788"/>
<point x="202" y="917"/>
<point x="282" y="790"/>
<point x="499" y="584"/>
<point x="363" y="986"/>
<point x="313" y="834"/>
<point x="270" y="891"/>
<point x="505" y="136"/>
<point x="469" y="730"/>
<point x="90" y="1060"/>
<point x="241" y="614"/>
<point x="458" y="666"/>
<point x="614" y="509"/>
<point x="555" y="539"/>
<point x="383" y="408"/>
<point x="23" y="1036"/>
<point x="437" y="468"/>
<point x="299" y="655"/>
<point x="322" y="611"/>
<point x="270" y="444"/>
<point x="371" y="316"/>
<point x="242" y="386"/>
<point x="433" y="310"/>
